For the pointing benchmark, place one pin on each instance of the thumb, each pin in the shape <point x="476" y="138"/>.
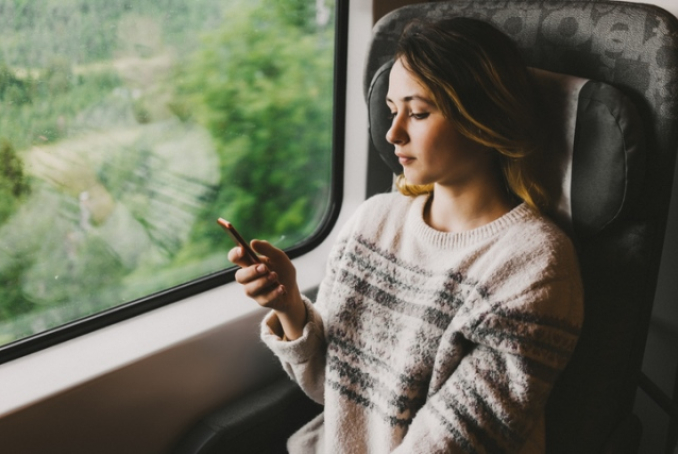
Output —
<point x="277" y="260"/>
<point x="267" y="249"/>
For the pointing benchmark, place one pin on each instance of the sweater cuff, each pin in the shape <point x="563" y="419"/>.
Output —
<point x="299" y="350"/>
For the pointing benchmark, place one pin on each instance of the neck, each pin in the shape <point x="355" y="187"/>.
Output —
<point x="462" y="209"/>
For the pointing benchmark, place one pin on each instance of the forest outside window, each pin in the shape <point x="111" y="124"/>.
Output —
<point x="127" y="128"/>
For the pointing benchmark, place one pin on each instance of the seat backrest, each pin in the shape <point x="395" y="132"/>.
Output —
<point x="611" y="170"/>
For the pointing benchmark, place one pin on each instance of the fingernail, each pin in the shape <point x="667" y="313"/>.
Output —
<point x="261" y="269"/>
<point x="272" y="276"/>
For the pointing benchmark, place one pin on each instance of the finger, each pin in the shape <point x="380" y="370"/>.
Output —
<point x="274" y="258"/>
<point x="268" y="296"/>
<point x="260" y="288"/>
<point x="251" y="273"/>
<point x="237" y="256"/>
<point x="263" y="290"/>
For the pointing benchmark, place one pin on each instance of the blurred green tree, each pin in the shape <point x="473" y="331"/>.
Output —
<point x="14" y="188"/>
<point x="14" y="185"/>
<point x="263" y="85"/>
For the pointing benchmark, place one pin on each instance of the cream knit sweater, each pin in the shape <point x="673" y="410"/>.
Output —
<point x="429" y="342"/>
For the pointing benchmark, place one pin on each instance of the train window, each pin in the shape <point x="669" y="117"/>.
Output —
<point x="127" y="128"/>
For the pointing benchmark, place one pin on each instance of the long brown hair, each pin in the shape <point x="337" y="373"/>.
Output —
<point x="479" y="81"/>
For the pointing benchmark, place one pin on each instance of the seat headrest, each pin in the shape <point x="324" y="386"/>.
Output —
<point x="594" y="161"/>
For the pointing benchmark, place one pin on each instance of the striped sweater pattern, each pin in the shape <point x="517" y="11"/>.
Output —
<point x="430" y="342"/>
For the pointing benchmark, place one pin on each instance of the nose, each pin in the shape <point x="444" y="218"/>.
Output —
<point x="396" y="134"/>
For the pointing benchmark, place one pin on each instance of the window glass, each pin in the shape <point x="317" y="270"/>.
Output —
<point x="128" y="127"/>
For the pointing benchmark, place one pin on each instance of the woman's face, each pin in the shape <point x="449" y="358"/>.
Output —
<point x="428" y="145"/>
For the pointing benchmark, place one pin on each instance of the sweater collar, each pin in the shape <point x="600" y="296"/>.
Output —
<point x="447" y="240"/>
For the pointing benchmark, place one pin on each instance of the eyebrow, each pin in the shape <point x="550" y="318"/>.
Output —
<point x="412" y="98"/>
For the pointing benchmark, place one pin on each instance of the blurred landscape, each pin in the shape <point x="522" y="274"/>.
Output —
<point x="127" y="128"/>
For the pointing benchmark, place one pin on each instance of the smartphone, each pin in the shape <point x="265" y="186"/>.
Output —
<point x="250" y="255"/>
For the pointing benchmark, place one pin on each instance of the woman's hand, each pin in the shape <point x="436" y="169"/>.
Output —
<point x="272" y="284"/>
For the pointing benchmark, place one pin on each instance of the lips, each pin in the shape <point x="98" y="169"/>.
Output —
<point x="404" y="159"/>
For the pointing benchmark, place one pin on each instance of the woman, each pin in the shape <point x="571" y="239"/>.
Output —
<point x="450" y="307"/>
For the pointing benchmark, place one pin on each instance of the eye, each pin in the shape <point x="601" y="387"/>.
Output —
<point x="419" y="116"/>
<point x="391" y="115"/>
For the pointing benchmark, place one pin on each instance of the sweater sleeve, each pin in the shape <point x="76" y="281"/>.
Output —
<point x="303" y="359"/>
<point x="516" y="347"/>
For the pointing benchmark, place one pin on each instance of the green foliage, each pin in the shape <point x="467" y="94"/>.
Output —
<point x="39" y="108"/>
<point x="33" y="32"/>
<point x="266" y="96"/>
<point x="14" y="186"/>
<point x="85" y="266"/>
<point x="296" y="13"/>
<point x="57" y="77"/>
<point x="135" y="214"/>
<point x="14" y="91"/>
<point x="11" y="294"/>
